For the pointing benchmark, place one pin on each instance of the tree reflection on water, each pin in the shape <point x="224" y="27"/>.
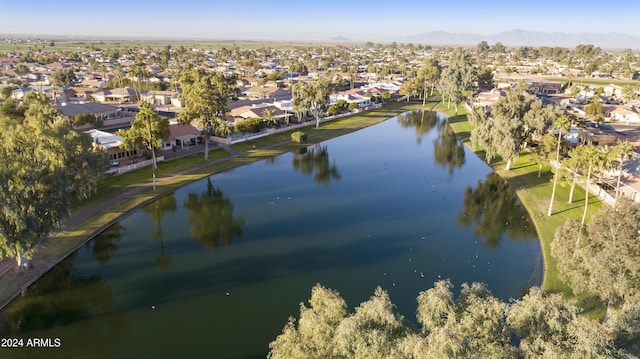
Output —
<point x="63" y="297"/>
<point x="448" y="151"/>
<point x="495" y="210"/>
<point x="315" y="161"/>
<point x="211" y="217"/>
<point x="158" y="209"/>
<point x="423" y="122"/>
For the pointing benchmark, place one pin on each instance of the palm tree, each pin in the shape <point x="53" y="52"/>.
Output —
<point x="562" y="123"/>
<point x="223" y="128"/>
<point x="592" y="156"/>
<point x="623" y="151"/>
<point x="269" y="116"/>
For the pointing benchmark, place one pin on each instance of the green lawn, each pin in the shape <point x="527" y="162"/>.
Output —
<point x="535" y="193"/>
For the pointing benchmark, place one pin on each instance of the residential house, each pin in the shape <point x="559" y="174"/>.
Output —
<point x="181" y="136"/>
<point x="120" y="95"/>
<point x="258" y="111"/>
<point x="112" y="116"/>
<point x="112" y="144"/>
<point x="351" y="97"/>
<point x="20" y="92"/>
<point x="627" y="114"/>
<point x="546" y="88"/>
<point x="160" y="98"/>
<point x="612" y="90"/>
<point x="260" y="92"/>
<point x="487" y="99"/>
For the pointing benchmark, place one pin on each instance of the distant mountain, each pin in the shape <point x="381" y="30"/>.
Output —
<point x="530" y="38"/>
<point x="340" y="39"/>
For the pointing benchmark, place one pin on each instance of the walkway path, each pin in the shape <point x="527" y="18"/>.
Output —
<point x="8" y="268"/>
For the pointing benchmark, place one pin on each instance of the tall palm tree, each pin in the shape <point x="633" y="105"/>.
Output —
<point x="592" y="156"/>
<point x="562" y="124"/>
<point x="624" y="151"/>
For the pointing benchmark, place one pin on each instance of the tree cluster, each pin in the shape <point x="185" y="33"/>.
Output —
<point x="475" y="324"/>
<point x="44" y="163"/>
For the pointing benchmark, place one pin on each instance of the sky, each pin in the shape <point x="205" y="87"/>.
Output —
<point x="372" y="20"/>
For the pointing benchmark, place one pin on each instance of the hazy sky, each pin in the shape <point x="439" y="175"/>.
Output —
<point x="370" y="20"/>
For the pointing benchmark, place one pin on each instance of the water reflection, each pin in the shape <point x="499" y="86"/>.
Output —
<point x="54" y="302"/>
<point x="158" y="209"/>
<point x="315" y="161"/>
<point x="211" y="217"/>
<point x="495" y="210"/>
<point x="448" y="151"/>
<point x="105" y="245"/>
<point x="423" y="122"/>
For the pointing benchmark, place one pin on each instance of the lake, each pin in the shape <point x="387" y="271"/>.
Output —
<point x="216" y="268"/>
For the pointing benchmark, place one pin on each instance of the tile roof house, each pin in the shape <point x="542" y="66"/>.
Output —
<point x="625" y="114"/>
<point x="267" y="92"/>
<point x="257" y="111"/>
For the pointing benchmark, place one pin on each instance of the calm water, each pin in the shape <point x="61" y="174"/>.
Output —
<point x="215" y="269"/>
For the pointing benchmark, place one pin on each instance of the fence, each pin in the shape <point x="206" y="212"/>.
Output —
<point x="134" y="166"/>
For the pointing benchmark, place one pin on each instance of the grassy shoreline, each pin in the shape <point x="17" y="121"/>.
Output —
<point x="117" y="196"/>
<point x="534" y="193"/>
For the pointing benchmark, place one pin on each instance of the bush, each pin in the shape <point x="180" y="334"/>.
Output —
<point x="299" y="137"/>
<point x="250" y="125"/>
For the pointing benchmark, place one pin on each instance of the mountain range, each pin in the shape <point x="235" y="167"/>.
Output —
<point x="529" y="38"/>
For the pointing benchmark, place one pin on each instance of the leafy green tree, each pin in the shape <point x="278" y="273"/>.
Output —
<point x="482" y="49"/>
<point x="485" y="79"/>
<point x="542" y="152"/>
<point x="206" y="95"/>
<point x="313" y="98"/>
<point x="474" y="324"/>
<point x="456" y="79"/>
<point x="211" y="217"/>
<point x="454" y="325"/>
<point x="562" y="123"/>
<point x="316" y="328"/>
<point x="250" y="125"/>
<point x="149" y="130"/>
<point x="5" y="92"/>
<point x="63" y="77"/>
<point x="81" y="119"/>
<point x="595" y="110"/>
<point x="601" y="258"/>
<point x="409" y="88"/>
<point x="542" y="321"/>
<point x="44" y="163"/>
<point x="515" y="119"/>
<point x="373" y="331"/>
<point x="498" y="48"/>
<point x="428" y="76"/>
<point x="627" y="93"/>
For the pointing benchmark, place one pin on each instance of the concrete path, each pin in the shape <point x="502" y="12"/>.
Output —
<point x="7" y="267"/>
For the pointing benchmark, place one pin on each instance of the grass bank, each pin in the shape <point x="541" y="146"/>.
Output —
<point x="534" y="192"/>
<point x="119" y="195"/>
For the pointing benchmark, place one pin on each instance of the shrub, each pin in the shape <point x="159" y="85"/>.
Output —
<point x="250" y="125"/>
<point x="299" y="137"/>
